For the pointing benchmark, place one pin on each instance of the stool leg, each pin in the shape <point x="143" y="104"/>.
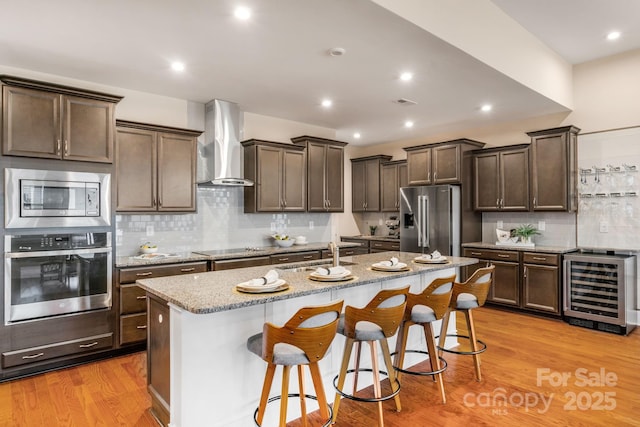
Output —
<point x="266" y="388"/>
<point x="474" y="343"/>
<point x="401" y="344"/>
<point x="392" y="373"/>
<point x="357" y="368"/>
<point x="285" y="395"/>
<point x="303" y="403"/>
<point x="348" y="346"/>
<point x="443" y="330"/>
<point x="433" y="357"/>
<point x="377" y="390"/>
<point x="319" y="388"/>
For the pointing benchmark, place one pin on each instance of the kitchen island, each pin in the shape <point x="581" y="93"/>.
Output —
<point x="208" y="377"/>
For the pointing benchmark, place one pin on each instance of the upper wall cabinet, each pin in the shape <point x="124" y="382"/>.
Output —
<point x="440" y="163"/>
<point x="325" y="173"/>
<point x="393" y="175"/>
<point x="279" y="174"/>
<point x="365" y="183"/>
<point x="56" y="122"/>
<point x="501" y="179"/>
<point x="155" y="168"/>
<point x="553" y="169"/>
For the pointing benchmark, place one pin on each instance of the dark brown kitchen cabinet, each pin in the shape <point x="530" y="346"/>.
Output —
<point x="383" y="245"/>
<point x="365" y="183"/>
<point x="502" y="179"/>
<point x="131" y="299"/>
<point x="295" y="257"/>
<point x="553" y="169"/>
<point x="279" y="173"/>
<point x="325" y="173"/>
<point x="155" y="168"/>
<point x="506" y="281"/>
<point x="393" y="176"/>
<point x="159" y="359"/>
<point x="439" y="163"/>
<point x="228" y="264"/>
<point x="56" y="122"/>
<point x="541" y="282"/>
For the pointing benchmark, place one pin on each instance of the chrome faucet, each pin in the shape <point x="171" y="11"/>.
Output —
<point x="335" y="251"/>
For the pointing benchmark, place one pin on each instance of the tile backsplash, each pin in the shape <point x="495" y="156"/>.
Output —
<point x="560" y="227"/>
<point x="220" y="223"/>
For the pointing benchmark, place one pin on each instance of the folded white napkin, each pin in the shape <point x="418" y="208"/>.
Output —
<point x="432" y="255"/>
<point x="390" y="263"/>
<point x="268" y="279"/>
<point x="330" y="271"/>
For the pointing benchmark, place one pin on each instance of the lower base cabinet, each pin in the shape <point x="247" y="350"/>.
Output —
<point x="158" y="359"/>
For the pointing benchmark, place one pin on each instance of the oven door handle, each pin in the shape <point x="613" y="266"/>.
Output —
<point x="40" y="254"/>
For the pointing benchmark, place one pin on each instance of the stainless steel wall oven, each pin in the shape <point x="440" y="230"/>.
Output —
<point x="54" y="274"/>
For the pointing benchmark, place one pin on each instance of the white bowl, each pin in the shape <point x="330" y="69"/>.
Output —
<point x="284" y="243"/>
<point x="300" y="241"/>
<point x="149" y="250"/>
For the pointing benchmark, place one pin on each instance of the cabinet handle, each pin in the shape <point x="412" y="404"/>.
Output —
<point x="66" y="147"/>
<point x="159" y="202"/>
<point x="329" y="203"/>
<point x="146" y="273"/>
<point x="153" y="202"/>
<point x="501" y="203"/>
<point x="307" y="257"/>
<point x="524" y="275"/>
<point x="141" y="297"/>
<point x="535" y="202"/>
<point x="283" y="259"/>
<point x="187" y="270"/>
<point x="428" y="176"/>
<point x="539" y="258"/>
<point x="476" y="253"/>
<point x="141" y="327"/>
<point x="498" y="203"/>
<point x="503" y="256"/>
<point x="33" y="356"/>
<point x="58" y="145"/>
<point x="435" y="176"/>
<point x="93" y="344"/>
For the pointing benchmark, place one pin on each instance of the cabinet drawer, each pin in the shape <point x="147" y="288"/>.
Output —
<point x="346" y="252"/>
<point x="51" y="351"/>
<point x="133" y="328"/>
<point x="132" y="299"/>
<point x="384" y="245"/>
<point x="295" y="257"/>
<point x="227" y="264"/>
<point x="491" y="254"/>
<point x="130" y="275"/>
<point x="538" y="258"/>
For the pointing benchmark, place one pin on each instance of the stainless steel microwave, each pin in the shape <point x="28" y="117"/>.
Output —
<point x="40" y="198"/>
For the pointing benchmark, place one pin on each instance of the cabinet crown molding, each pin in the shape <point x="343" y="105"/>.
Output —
<point x="158" y="128"/>
<point x="306" y="138"/>
<point x="570" y="129"/>
<point x="61" y="89"/>
<point x="381" y="157"/>
<point x="466" y="141"/>
<point x="251" y="142"/>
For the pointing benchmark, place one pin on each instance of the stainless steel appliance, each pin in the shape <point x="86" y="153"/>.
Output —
<point x="41" y="198"/>
<point x="53" y="274"/>
<point x="599" y="291"/>
<point x="430" y="219"/>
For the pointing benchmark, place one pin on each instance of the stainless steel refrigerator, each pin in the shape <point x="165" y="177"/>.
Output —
<point x="430" y="219"/>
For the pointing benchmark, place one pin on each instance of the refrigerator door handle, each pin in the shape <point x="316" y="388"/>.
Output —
<point x="425" y="213"/>
<point x="419" y="221"/>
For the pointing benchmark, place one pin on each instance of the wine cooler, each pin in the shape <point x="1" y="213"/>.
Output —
<point x="599" y="291"/>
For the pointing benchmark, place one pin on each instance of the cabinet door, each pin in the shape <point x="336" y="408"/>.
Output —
<point x="514" y="182"/>
<point x="317" y="179"/>
<point x="294" y="182"/>
<point x="158" y="359"/>
<point x="358" y="186"/>
<point x="446" y="164"/>
<point x="372" y="186"/>
<point x="176" y="173"/>
<point x="549" y="174"/>
<point x="419" y="166"/>
<point x="269" y="182"/>
<point x="486" y="183"/>
<point x="135" y="170"/>
<point x="88" y="129"/>
<point x="541" y="288"/>
<point x="506" y="283"/>
<point x="389" y="184"/>
<point x="31" y="123"/>
<point x="335" y="178"/>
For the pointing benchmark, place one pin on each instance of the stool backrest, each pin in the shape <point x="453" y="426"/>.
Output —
<point x="385" y="310"/>
<point x="478" y="285"/>
<point x="311" y="329"/>
<point x="436" y="296"/>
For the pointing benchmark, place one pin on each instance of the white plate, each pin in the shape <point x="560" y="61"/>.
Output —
<point x="330" y="277"/>
<point x="398" y="267"/>
<point x="249" y="287"/>
<point x="440" y="260"/>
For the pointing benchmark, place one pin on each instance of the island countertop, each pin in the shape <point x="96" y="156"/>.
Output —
<point x="214" y="291"/>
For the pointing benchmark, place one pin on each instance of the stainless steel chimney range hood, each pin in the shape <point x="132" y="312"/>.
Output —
<point x="220" y="157"/>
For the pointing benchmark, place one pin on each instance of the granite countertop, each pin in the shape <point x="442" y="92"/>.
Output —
<point x="537" y="248"/>
<point x="363" y="237"/>
<point x="136" y="261"/>
<point x="214" y="291"/>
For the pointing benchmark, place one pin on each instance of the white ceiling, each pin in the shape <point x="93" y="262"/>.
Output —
<point x="277" y="63"/>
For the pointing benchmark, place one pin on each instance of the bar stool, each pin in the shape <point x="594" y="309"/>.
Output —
<point x="303" y="340"/>
<point x="423" y="309"/>
<point x="465" y="297"/>
<point x="377" y="321"/>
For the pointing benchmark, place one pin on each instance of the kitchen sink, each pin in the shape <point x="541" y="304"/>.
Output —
<point x="311" y="266"/>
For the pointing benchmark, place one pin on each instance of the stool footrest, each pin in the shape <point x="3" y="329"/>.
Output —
<point x="307" y="396"/>
<point x="481" y="350"/>
<point x="423" y="373"/>
<point x="365" y="399"/>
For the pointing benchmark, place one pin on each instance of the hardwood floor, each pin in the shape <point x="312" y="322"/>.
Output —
<point x="522" y="352"/>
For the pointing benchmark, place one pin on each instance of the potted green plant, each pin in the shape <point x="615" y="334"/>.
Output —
<point x="525" y="232"/>
<point x="372" y="229"/>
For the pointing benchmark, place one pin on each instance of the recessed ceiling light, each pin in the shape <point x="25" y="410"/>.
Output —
<point x="356" y="135"/>
<point x="614" y="35"/>
<point x="406" y="76"/>
<point x="326" y="103"/>
<point x="486" y="108"/>
<point x="242" y="13"/>
<point x="337" y="51"/>
<point x="408" y="124"/>
<point x="177" y="66"/>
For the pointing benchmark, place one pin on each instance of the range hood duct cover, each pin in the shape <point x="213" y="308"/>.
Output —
<point x="220" y="156"/>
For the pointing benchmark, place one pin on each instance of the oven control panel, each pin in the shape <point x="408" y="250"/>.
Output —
<point x="56" y="242"/>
